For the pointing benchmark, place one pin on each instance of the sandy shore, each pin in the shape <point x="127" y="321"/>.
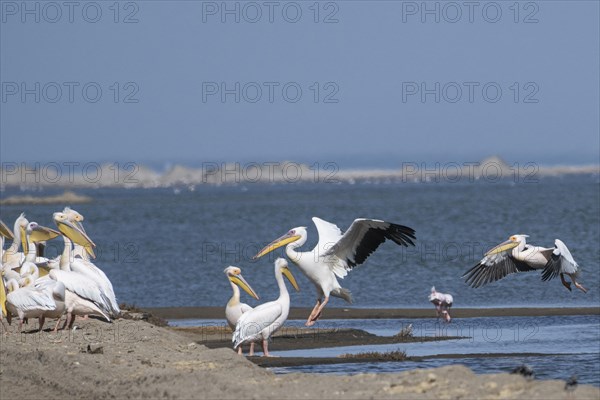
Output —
<point x="134" y="359"/>
<point x="385" y="313"/>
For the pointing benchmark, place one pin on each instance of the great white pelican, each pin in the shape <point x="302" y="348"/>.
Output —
<point x="264" y="320"/>
<point x="516" y="255"/>
<point x="337" y="253"/>
<point x="235" y="308"/>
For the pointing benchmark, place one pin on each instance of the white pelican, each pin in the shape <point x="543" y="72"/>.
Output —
<point x="84" y="296"/>
<point x="26" y="302"/>
<point x="56" y="290"/>
<point x="264" y="320"/>
<point x="81" y="262"/>
<point x="336" y="254"/>
<point x="12" y="257"/>
<point x="442" y="303"/>
<point x="515" y="255"/>
<point x="235" y="308"/>
<point x="77" y="220"/>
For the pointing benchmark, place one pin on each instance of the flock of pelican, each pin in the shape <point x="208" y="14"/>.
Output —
<point x="33" y="286"/>
<point x="36" y="287"/>
<point x="336" y="253"/>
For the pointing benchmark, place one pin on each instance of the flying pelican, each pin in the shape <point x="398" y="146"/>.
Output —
<point x="336" y="254"/>
<point x="515" y="255"/>
<point x="26" y="302"/>
<point x="234" y="308"/>
<point x="442" y="302"/>
<point x="264" y="320"/>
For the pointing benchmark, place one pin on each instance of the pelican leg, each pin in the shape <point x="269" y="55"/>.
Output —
<point x="56" y="326"/>
<point x="265" y="346"/>
<point x="41" y="321"/>
<point x="5" y="328"/>
<point x="314" y="319"/>
<point x="577" y="284"/>
<point x="313" y="312"/>
<point x="251" y="353"/>
<point x="68" y="320"/>
<point x="240" y="350"/>
<point x="564" y="282"/>
<point x="20" y="325"/>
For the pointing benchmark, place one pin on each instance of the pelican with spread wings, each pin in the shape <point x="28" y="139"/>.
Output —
<point x="516" y="255"/>
<point x="337" y="253"/>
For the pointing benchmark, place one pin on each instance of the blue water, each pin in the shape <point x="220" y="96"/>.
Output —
<point x="564" y="345"/>
<point x="165" y="249"/>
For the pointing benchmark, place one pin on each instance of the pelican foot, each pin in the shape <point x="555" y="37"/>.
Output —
<point x="580" y="287"/>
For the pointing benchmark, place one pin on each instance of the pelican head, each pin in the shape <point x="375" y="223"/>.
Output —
<point x="282" y="265"/>
<point x="74" y="217"/>
<point x="21" y="226"/>
<point x="512" y="242"/>
<point x="291" y="236"/>
<point x="234" y="274"/>
<point x="38" y="233"/>
<point x="67" y="228"/>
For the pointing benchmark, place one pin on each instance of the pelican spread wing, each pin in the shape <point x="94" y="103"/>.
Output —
<point x="494" y="267"/>
<point x="362" y="238"/>
<point x="561" y="261"/>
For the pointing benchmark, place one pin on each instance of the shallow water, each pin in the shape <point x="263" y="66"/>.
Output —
<point x="564" y="345"/>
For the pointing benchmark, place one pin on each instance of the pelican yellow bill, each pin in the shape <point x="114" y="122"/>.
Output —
<point x="288" y="274"/>
<point x="277" y="243"/>
<point x="241" y="282"/>
<point x="504" y="246"/>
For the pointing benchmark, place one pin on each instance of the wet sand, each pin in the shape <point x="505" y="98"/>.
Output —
<point x="134" y="359"/>
<point x="299" y="313"/>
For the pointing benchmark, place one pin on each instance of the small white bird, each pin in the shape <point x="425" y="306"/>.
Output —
<point x="235" y="308"/>
<point x="442" y="302"/>
<point x="260" y="323"/>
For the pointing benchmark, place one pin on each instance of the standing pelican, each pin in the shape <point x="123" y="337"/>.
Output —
<point x="264" y="320"/>
<point x="515" y="255"/>
<point x="235" y="308"/>
<point x="26" y="302"/>
<point x="83" y="296"/>
<point x="442" y="303"/>
<point x="336" y="254"/>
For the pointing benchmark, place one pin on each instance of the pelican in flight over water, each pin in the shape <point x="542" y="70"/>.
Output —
<point x="515" y="255"/>
<point x="264" y="320"/>
<point x="235" y="308"/>
<point x="337" y="253"/>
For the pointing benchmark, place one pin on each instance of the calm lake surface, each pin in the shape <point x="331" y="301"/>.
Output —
<point x="160" y="248"/>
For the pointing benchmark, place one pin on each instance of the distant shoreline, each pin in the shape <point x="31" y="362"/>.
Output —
<point x="300" y="313"/>
<point x="132" y="175"/>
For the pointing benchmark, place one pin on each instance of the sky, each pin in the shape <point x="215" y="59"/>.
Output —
<point x="361" y="83"/>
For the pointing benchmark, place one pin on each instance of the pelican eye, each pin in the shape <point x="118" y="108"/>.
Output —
<point x="292" y="232"/>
